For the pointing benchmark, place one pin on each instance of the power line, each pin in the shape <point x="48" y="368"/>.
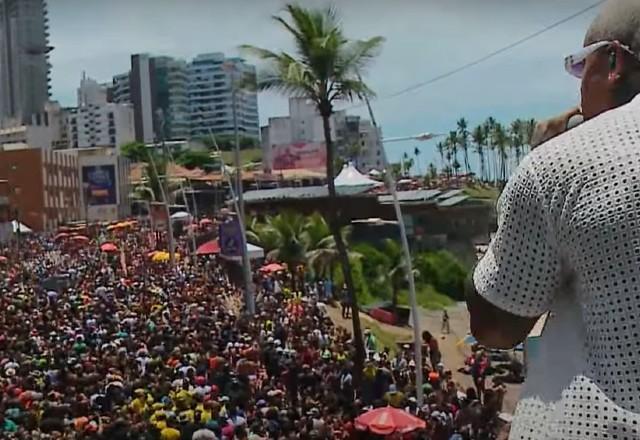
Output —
<point x="490" y="55"/>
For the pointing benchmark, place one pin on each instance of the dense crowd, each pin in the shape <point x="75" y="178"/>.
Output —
<point x="98" y="346"/>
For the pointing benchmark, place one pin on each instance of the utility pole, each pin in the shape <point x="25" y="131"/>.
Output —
<point x="246" y="263"/>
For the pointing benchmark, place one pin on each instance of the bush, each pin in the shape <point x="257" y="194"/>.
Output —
<point x="443" y="271"/>
<point x="360" y="284"/>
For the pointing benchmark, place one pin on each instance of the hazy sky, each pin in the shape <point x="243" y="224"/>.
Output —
<point x="424" y="38"/>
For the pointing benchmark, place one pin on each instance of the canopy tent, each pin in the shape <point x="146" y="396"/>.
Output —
<point x="254" y="252"/>
<point x="181" y="216"/>
<point x="350" y="177"/>
<point x="24" y="229"/>
<point x="208" y="248"/>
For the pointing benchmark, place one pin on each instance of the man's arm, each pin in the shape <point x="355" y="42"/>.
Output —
<point x="493" y="327"/>
<point x="517" y="279"/>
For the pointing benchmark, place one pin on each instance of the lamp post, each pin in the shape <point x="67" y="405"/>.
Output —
<point x="391" y="185"/>
<point x="246" y="263"/>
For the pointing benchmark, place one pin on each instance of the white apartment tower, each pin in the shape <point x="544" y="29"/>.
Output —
<point x="24" y="60"/>
<point x="96" y="122"/>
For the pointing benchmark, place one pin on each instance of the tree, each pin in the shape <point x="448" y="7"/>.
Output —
<point x="463" y="140"/>
<point x="480" y="140"/>
<point x="195" y="159"/>
<point x="395" y="274"/>
<point x="135" y="152"/>
<point x="432" y="174"/>
<point x="500" y="141"/>
<point x="516" y="139"/>
<point x="528" y="129"/>
<point x="227" y="142"/>
<point x="326" y="68"/>
<point x="416" y="153"/>
<point x="452" y="144"/>
<point x="440" y="146"/>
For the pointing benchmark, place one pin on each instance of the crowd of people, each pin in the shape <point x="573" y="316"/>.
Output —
<point x="115" y="346"/>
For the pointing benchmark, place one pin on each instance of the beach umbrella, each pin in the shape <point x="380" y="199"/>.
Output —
<point x="389" y="420"/>
<point x="80" y="238"/>
<point x="60" y="236"/>
<point x="210" y="247"/>
<point x="272" y="267"/>
<point x="108" y="247"/>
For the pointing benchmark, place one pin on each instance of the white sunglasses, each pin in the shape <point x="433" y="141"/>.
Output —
<point x="574" y="64"/>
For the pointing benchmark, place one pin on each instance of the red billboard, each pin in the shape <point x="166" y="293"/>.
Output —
<point x="307" y="155"/>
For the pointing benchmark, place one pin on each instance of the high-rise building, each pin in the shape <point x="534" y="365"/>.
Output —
<point x="210" y="96"/>
<point x="172" y="99"/>
<point x="96" y="122"/>
<point x="24" y="60"/>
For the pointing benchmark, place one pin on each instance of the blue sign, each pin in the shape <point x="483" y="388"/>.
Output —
<point x="99" y="183"/>
<point x="230" y="238"/>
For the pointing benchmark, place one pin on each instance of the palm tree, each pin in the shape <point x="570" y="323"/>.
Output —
<point x="500" y="140"/>
<point x="320" y="246"/>
<point x="416" y="153"/>
<point x="395" y="274"/>
<point x="489" y="126"/>
<point x="441" y="148"/>
<point x="405" y="164"/>
<point x="325" y="68"/>
<point x="516" y="139"/>
<point x="452" y="143"/>
<point x="480" y="140"/>
<point x="529" y="127"/>
<point x="281" y="237"/>
<point x="463" y="140"/>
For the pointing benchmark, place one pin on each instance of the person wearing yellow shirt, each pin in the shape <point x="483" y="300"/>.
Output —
<point x="170" y="432"/>
<point x="139" y="404"/>
<point x="393" y="397"/>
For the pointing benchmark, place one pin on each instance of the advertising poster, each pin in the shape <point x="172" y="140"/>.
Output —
<point x="100" y="184"/>
<point x="230" y="238"/>
<point x="301" y="155"/>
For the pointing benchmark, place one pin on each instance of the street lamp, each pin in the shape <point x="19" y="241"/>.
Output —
<point x="422" y="137"/>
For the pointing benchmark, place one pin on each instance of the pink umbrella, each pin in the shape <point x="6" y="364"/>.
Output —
<point x="271" y="268"/>
<point x="210" y="247"/>
<point x="389" y="420"/>
<point x="108" y="247"/>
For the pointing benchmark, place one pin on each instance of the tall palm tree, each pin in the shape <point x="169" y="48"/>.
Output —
<point x="501" y="141"/>
<point x="440" y="146"/>
<point x="453" y="143"/>
<point x="463" y="140"/>
<point x="480" y="139"/>
<point x="325" y="68"/>
<point x="416" y="153"/>
<point x="516" y="139"/>
<point x="406" y="168"/>
<point x="320" y="246"/>
<point x="281" y="236"/>
<point x="492" y="161"/>
<point x="529" y="127"/>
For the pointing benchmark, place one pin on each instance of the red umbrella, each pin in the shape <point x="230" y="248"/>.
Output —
<point x="273" y="267"/>
<point x="108" y="247"/>
<point x="210" y="247"/>
<point x="387" y="420"/>
<point x="80" y="238"/>
<point x="60" y="236"/>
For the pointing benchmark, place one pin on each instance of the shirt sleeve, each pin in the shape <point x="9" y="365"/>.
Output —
<point x="520" y="272"/>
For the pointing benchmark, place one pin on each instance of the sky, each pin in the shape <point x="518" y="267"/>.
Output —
<point x="424" y="39"/>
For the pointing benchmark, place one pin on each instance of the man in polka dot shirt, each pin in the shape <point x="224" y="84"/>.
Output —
<point x="568" y="244"/>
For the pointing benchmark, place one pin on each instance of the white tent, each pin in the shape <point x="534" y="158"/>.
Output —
<point x="24" y="229"/>
<point x="181" y="216"/>
<point x="255" y="253"/>
<point x="350" y="177"/>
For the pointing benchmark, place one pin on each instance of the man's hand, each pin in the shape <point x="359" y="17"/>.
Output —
<point x="547" y="130"/>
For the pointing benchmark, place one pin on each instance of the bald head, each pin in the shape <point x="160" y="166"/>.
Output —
<point x="619" y="20"/>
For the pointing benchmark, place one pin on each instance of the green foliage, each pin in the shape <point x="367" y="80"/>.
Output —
<point x="228" y="142"/>
<point x="443" y="271"/>
<point x="374" y="264"/>
<point x="196" y="159"/>
<point x="135" y="152"/>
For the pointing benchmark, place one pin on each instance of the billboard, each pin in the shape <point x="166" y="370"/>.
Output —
<point x="230" y="238"/>
<point x="309" y="155"/>
<point x="99" y="183"/>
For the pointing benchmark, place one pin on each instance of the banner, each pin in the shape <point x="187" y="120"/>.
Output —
<point x="305" y="155"/>
<point x="230" y="238"/>
<point x="99" y="183"/>
<point x="158" y="216"/>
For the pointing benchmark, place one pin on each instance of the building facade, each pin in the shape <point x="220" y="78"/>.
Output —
<point x="96" y="122"/>
<point x="45" y="189"/>
<point x="211" y="79"/>
<point x="24" y="60"/>
<point x="45" y="130"/>
<point x="105" y="186"/>
<point x="6" y="214"/>
<point x="172" y="98"/>
<point x="355" y="139"/>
